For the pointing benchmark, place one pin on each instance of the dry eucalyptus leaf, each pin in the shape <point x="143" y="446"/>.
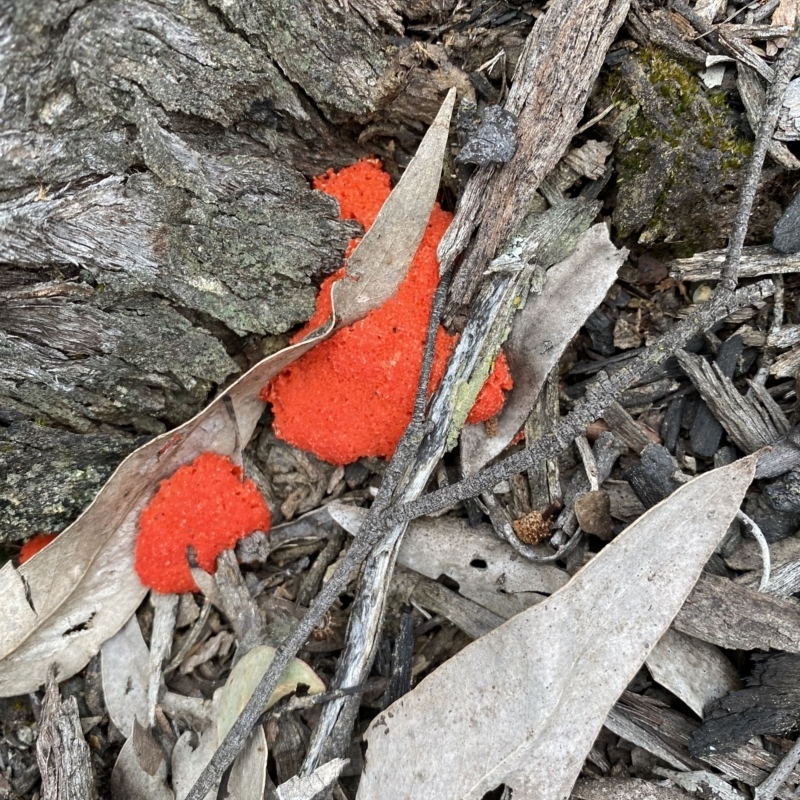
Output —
<point x="245" y="676"/>
<point x="248" y="778"/>
<point x="83" y="587"/>
<point x="219" y="644"/>
<point x="189" y="712"/>
<point x="129" y="780"/>
<point x="523" y="705"/>
<point x="190" y="756"/>
<point x="125" y="662"/>
<point x="312" y="786"/>
<point x="380" y="262"/>
<point x="60" y="606"/>
<point x="487" y="570"/>
<point x="695" y="671"/>
<point x="540" y="334"/>
<point x="148" y="751"/>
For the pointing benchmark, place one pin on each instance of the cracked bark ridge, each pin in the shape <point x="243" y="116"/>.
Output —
<point x="562" y="58"/>
<point x="61" y="751"/>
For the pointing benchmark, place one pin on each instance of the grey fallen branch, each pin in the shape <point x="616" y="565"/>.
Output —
<point x="486" y="329"/>
<point x="769" y="788"/>
<point x="602" y="394"/>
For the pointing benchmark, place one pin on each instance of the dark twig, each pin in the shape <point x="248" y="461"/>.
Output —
<point x="784" y="71"/>
<point x="437" y="309"/>
<point x="414" y="434"/>
<point x="607" y="389"/>
<point x="599" y="396"/>
<point x="371" y="532"/>
<point x="233" y="743"/>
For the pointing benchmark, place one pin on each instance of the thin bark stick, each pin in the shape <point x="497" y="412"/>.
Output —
<point x="784" y="71"/>
<point x="556" y="71"/>
<point x="62" y="753"/>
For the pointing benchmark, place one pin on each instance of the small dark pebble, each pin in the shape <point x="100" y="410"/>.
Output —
<point x="495" y="140"/>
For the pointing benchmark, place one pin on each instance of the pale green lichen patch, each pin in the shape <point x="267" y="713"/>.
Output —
<point x="678" y="159"/>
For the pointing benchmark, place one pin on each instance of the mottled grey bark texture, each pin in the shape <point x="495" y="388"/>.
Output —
<point x="48" y="476"/>
<point x="157" y="226"/>
<point x="64" y="758"/>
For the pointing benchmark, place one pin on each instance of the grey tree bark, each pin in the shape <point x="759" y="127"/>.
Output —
<point x="158" y="233"/>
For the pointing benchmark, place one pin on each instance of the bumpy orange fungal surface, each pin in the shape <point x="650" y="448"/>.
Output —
<point x="205" y="504"/>
<point x="353" y="394"/>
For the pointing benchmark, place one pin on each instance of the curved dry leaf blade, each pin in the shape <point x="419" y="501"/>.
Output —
<point x="486" y="569"/>
<point x="125" y="663"/>
<point x="82" y="588"/>
<point x="247" y="674"/>
<point x="248" y="778"/>
<point x="523" y="705"/>
<point x="574" y="288"/>
<point x="130" y="781"/>
<point x="379" y="264"/>
<point x="190" y="756"/>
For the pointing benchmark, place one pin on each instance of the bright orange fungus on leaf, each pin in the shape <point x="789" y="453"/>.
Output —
<point x="353" y="394"/>
<point x="34" y="545"/>
<point x="205" y="504"/>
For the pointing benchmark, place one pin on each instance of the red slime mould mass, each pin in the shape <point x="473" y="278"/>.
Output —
<point x="353" y="394"/>
<point x="205" y="504"/>
<point x="34" y="545"/>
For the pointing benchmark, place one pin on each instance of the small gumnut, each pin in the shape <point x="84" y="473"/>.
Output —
<point x="532" y="528"/>
<point x="205" y="505"/>
<point x="593" y="512"/>
<point x="34" y="545"/>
